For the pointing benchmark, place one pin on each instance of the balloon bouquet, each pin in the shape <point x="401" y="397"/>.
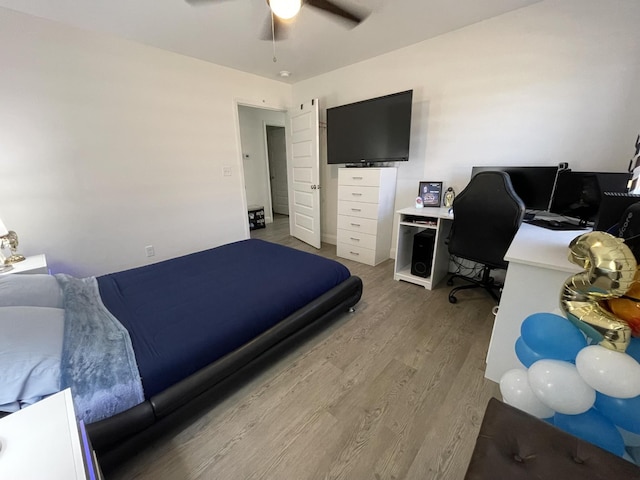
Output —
<point x="582" y="369"/>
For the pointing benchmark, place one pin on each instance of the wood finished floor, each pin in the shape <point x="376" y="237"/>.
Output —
<point x="395" y="390"/>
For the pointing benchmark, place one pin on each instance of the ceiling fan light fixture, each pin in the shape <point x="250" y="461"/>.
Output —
<point x="285" y="9"/>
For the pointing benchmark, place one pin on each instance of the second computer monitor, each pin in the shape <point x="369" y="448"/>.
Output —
<point x="534" y="185"/>
<point x="579" y="195"/>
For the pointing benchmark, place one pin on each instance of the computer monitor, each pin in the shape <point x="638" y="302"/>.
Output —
<point x="534" y="185"/>
<point x="577" y="196"/>
<point x="617" y="182"/>
<point x="612" y="207"/>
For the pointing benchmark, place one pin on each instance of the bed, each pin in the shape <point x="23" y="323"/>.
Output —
<point x="137" y="346"/>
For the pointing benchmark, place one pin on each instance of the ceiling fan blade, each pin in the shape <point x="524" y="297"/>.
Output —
<point x="279" y="29"/>
<point x="334" y="9"/>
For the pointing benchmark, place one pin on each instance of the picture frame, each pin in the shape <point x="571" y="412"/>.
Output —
<point x="431" y="193"/>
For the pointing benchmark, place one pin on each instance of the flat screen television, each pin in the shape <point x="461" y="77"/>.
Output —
<point x="534" y="185"/>
<point x="370" y="131"/>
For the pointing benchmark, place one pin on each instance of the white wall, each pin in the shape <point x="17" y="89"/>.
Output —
<point x="553" y="82"/>
<point x="107" y="146"/>
<point x="254" y="153"/>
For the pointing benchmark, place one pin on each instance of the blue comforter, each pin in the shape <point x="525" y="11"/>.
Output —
<point x="132" y="334"/>
<point x="185" y="313"/>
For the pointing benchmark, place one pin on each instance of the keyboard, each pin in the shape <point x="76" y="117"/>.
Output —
<point x="554" y="224"/>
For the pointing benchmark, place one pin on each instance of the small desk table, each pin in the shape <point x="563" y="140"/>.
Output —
<point x="538" y="268"/>
<point x="413" y="220"/>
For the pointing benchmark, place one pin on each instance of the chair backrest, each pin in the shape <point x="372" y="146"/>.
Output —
<point x="486" y="217"/>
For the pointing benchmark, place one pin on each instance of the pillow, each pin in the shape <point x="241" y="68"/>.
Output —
<point x="30" y="290"/>
<point x="30" y="353"/>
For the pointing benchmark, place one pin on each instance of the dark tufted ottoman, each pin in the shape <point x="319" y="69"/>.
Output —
<point x="514" y="445"/>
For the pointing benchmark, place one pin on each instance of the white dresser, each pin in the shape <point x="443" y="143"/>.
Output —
<point x="366" y="198"/>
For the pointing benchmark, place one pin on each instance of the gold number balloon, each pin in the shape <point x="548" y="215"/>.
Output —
<point x="610" y="267"/>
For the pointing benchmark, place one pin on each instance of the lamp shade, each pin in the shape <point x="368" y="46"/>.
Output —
<point x="3" y="229"/>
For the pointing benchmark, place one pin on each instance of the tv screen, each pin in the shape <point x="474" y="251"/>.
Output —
<point x="374" y="130"/>
<point x="534" y="185"/>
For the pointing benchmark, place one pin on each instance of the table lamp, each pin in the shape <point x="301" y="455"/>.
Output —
<point x="3" y="232"/>
<point x="9" y="238"/>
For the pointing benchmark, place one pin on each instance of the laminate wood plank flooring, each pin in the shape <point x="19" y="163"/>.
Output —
<point x="395" y="390"/>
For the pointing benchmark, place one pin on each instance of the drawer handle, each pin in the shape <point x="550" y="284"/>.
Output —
<point x="355" y="224"/>
<point x="354" y="253"/>
<point x="355" y="239"/>
<point x="356" y="209"/>
<point x="357" y="178"/>
<point x="356" y="194"/>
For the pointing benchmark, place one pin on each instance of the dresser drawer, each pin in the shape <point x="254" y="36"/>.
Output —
<point x="355" y="224"/>
<point x="358" y="209"/>
<point x="353" y="193"/>
<point x="359" y="176"/>
<point x="358" y="254"/>
<point x="358" y="239"/>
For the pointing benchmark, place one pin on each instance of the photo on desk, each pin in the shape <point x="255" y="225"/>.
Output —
<point x="431" y="193"/>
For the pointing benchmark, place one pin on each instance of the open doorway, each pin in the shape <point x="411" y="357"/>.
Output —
<point x="277" y="162"/>
<point x="264" y="158"/>
<point x="301" y="128"/>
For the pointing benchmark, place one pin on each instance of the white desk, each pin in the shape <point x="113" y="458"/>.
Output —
<point x="538" y="268"/>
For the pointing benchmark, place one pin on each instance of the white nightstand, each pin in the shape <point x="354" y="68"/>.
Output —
<point x="31" y="264"/>
<point x="44" y="440"/>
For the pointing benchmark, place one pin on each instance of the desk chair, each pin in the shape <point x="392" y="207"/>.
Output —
<point x="486" y="217"/>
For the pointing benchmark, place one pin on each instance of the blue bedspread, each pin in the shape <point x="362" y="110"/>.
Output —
<point x="185" y="313"/>
<point x="98" y="362"/>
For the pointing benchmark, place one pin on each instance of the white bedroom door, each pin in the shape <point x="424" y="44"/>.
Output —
<point x="303" y="170"/>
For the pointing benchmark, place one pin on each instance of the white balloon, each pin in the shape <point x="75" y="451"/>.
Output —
<point x="558" y="385"/>
<point x="516" y="392"/>
<point x="613" y="373"/>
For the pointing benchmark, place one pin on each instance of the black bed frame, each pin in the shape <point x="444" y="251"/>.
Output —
<point x="119" y="437"/>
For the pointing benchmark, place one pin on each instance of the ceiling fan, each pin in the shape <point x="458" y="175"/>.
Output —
<point x="283" y="11"/>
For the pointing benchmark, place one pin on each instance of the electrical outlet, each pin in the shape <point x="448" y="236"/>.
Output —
<point x="150" y="250"/>
<point x="226" y="171"/>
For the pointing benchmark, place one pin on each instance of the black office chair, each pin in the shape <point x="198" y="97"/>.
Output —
<point x="486" y="217"/>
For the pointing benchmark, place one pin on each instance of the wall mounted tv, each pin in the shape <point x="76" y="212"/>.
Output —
<point x="370" y="131"/>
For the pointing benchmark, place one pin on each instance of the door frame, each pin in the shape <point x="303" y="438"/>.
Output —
<point x="237" y="102"/>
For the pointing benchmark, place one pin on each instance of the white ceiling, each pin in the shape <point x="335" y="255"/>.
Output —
<point x="227" y="32"/>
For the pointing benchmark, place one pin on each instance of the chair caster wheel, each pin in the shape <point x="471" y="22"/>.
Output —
<point x="450" y="282"/>
<point x="452" y="299"/>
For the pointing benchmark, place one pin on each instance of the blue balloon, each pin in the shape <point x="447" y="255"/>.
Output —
<point x="526" y="356"/>
<point x="624" y="412"/>
<point x="593" y="427"/>
<point x="634" y="349"/>
<point x="552" y="336"/>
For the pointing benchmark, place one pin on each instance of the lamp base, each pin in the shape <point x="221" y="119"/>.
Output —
<point x="5" y="268"/>
<point x="15" y="258"/>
